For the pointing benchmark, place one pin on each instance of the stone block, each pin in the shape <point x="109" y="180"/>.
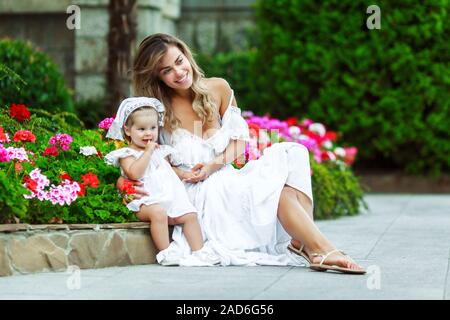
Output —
<point x="94" y="22"/>
<point x="91" y="54"/>
<point x="148" y="22"/>
<point x="172" y="9"/>
<point x="35" y="254"/>
<point x="86" y="247"/>
<point x="90" y="2"/>
<point x="155" y="4"/>
<point x="206" y="35"/>
<point x="60" y="239"/>
<point x="90" y="86"/>
<point x="113" y="253"/>
<point x="5" y="267"/>
<point x="140" y="247"/>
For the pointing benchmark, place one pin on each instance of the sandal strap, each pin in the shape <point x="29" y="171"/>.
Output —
<point x="325" y="256"/>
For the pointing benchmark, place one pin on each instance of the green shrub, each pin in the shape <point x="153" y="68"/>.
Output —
<point x="336" y="190"/>
<point x="91" y="111"/>
<point x="239" y="69"/>
<point x="42" y="86"/>
<point x="386" y="90"/>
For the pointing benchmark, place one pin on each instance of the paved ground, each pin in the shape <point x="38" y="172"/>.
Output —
<point x="404" y="241"/>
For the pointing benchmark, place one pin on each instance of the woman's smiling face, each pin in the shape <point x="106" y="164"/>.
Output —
<point x="175" y="70"/>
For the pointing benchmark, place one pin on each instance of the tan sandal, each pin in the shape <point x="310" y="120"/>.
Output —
<point x="303" y="254"/>
<point x="324" y="267"/>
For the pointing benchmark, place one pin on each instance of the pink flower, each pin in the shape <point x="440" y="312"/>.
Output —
<point x="105" y="123"/>
<point x="61" y="139"/>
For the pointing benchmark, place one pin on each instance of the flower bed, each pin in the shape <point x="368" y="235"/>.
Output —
<point x="52" y="171"/>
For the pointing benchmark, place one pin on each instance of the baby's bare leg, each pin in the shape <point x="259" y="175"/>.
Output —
<point x="191" y="230"/>
<point x="159" y="230"/>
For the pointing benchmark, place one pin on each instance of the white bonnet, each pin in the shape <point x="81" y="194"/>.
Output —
<point x="127" y="107"/>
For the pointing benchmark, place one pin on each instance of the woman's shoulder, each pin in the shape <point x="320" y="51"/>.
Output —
<point x="217" y="84"/>
<point x="221" y="91"/>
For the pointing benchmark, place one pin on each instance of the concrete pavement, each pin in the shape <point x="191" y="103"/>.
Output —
<point x="403" y="241"/>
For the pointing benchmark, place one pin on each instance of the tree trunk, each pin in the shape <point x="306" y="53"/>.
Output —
<point x="121" y="44"/>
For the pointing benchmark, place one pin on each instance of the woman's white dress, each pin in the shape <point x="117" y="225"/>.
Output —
<point x="237" y="209"/>
<point x="160" y="181"/>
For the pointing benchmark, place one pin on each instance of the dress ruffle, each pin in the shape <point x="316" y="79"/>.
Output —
<point x="234" y="127"/>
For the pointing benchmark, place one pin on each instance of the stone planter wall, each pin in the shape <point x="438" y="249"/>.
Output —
<point x="39" y="248"/>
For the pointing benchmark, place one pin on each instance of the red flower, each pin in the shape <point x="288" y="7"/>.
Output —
<point x="331" y="135"/>
<point x="3" y="136"/>
<point x="254" y="129"/>
<point x="24" y="135"/>
<point x="30" y="184"/>
<point x="65" y="176"/>
<point x="18" y="167"/>
<point x="292" y="121"/>
<point x="90" y="179"/>
<point x="51" y="151"/>
<point x="127" y="187"/>
<point x="19" y="112"/>
<point x="82" y="191"/>
<point x="99" y="154"/>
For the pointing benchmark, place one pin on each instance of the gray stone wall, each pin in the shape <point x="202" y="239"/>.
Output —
<point x="214" y="26"/>
<point x="38" y="248"/>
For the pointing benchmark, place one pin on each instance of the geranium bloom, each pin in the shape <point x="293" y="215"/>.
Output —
<point x="19" y="112"/>
<point x="82" y="191"/>
<point x="24" y="135"/>
<point x="4" y="155"/>
<point x="65" y="193"/>
<point x="50" y="151"/>
<point x="90" y="179"/>
<point x="88" y="151"/>
<point x="61" y="139"/>
<point x="3" y="136"/>
<point x="17" y="153"/>
<point x="105" y="123"/>
<point x="127" y="187"/>
<point x="65" y="176"/>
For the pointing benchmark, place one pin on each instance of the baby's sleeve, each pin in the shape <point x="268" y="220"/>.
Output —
<point x="113" y="157"/>
<point x="174" y="156"/>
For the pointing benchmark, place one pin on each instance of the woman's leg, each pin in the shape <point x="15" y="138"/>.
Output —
<point x="159" y="230"/>
<point x="305" y="203"/>
<point x="191" y="230"/>
<point x="300" y="226"/>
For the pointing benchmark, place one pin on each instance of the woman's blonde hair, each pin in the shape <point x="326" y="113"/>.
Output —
<point x="146" y="81"/>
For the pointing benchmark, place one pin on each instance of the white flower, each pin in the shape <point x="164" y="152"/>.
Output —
<point x="294" y="131"/>
<point x="327" y="144"/>
<point x="318" y="128"/>
<point x="88" y="151"/>
<point x="340" y="152"/>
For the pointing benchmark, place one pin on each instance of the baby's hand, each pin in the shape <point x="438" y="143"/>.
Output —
<point x="151" y="146"/>
<point x="187" y="175"/>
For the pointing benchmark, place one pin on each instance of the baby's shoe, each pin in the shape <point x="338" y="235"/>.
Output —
<point x="206" y="257"/>
<point x="168" y="257"/>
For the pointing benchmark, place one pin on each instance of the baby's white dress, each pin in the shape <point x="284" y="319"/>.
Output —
<point x="160" y="181"/>
<point x="237" y="209"/>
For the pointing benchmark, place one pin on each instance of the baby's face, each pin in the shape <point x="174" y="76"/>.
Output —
<point x="144" y="129"/>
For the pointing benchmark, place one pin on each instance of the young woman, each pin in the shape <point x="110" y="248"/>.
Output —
<point x="249" y="216"/>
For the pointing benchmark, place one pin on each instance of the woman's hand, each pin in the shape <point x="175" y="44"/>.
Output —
<point x="201" y="171"/>
<point x="138" y="187"/>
